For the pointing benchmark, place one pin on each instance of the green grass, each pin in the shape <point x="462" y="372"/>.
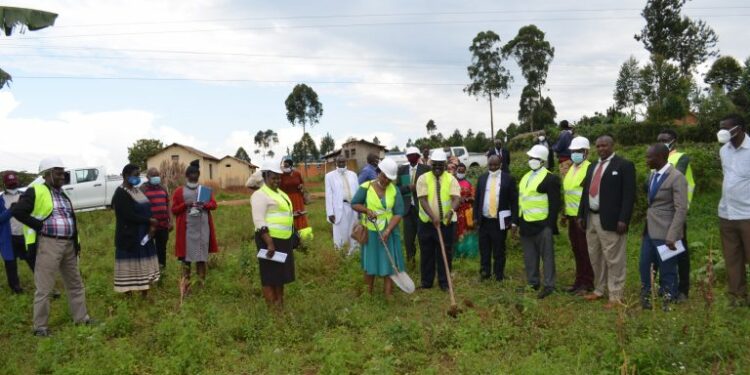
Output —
<point x="330" y="326"/>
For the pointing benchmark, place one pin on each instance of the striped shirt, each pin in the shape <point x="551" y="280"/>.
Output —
<point x="159" y="199"/>
<point x="60" y="223"/>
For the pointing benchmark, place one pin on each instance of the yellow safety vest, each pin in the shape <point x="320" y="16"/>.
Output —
<point x="445" y="193"/>
<point x="534" y="206"/>
<point x="279" y="219"/>
<point x="43" y="207"/>
<point x="674" y="158"/>
<point x="385" y="214"/>
<point x="572" y="189"/>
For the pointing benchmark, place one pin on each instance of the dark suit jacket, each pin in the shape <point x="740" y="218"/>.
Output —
<point x="616" y="193"/>
<point x="508" y="197"/>
<point x="506" y="158"/>
<point x="402" y="183"/>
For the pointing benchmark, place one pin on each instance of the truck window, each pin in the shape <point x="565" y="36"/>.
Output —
<point x="86" y="175"/>
<point x="458" y="152"/>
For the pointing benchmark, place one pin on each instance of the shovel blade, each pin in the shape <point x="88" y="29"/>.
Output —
<point x="403" y="282"/>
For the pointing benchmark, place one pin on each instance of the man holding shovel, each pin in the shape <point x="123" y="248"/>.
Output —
<point x="439" y="196"/>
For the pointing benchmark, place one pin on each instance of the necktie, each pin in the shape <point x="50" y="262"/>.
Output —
<point x="493" y="197"/>
<point x="440" y="203"/>
<point x="412" y="174"/>
<point x="654" y="182"/>
<point x="594" y="189"/>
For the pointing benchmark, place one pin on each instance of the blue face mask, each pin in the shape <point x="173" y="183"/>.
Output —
<point x="577" y="157"/>
<point x="155" y="180"/>
<point x="134" y="180"/>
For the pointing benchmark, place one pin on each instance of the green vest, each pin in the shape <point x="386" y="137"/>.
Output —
<point x="373" y="202"/>
<point x="533" y="206"/>
<point x="674" y="157"/>
<point x="572" y="189"/>
<point x="445" y="193"/>
<point x="43" y="207"/>
<point x="279" y="220"/>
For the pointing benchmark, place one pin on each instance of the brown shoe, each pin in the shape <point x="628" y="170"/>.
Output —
<point x="592" y="297"/>
<point x="612" y="305"/>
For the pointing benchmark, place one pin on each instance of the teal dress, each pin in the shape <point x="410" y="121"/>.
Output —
<point x="373" y="258"/>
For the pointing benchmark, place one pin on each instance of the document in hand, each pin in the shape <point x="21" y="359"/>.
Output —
<point x="666" y="253"/>
<point x="278" y="256"/>
<point x="502" y="216"/>
<point x="204" y="194"/>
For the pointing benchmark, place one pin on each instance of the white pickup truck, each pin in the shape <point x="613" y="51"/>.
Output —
<point x="470" y="159"/>
<point x="89" y="188"/>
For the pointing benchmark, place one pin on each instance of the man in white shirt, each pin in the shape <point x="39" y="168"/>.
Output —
<point x="341" y="184"/>
<point x="734" y="206"/>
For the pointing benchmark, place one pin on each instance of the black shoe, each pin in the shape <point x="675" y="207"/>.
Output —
<point x="56" y="294"/>
<point x="444" y="288"/>
<point x="545" y="293"/>
<point x="682" y="297"/>
<point x="17" y="290"/>
<point x="535" y="286"/>
<point x="42" y="332"/>
<point x="646" y="304"/>
<point x="573" y="289"/>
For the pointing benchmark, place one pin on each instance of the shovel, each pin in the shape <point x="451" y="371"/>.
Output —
<point x="454" y="310"/>
<point x="400" y="278"/>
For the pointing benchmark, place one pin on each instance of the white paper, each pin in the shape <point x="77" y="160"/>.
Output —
<point x="501" y="216"/>
<point x="145" y="240"/>
<point x="666" y="253"/>
<point x="277" y="256"/>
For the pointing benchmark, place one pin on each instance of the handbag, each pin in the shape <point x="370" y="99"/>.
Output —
<point x="359" y="233"/>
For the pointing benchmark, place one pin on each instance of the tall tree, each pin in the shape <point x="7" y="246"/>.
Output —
<point x="327" y="144"/>
<point x="431" y="127"/>
<point x="665" y="91"/>
<point x="489" y="78"/>
<point x="725" y="72"/>
<point x="303" y="108"/>
<point x="265" y="140"/>
<point x="456" y="139"/>
<point x="143" y="149"/>
<point x="12" y="19"/>
<point x="627" y="89"/>
<point x="675" y="37"/>
<point x="376" y="141"/>
<point x="533" y="54"/>
<point x="409" y="143"/>
<point x="242" y="154"/>
<point x="305" y="149"/>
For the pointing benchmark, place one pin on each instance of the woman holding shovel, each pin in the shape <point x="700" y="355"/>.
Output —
<point x="380" y="201"/>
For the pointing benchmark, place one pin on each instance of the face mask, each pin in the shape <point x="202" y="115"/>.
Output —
<point x="155" y="180"/>
<point x="724" y="136"/>
<point x="341" y="170"/>
<point x="133" y="180"/>
<point x="534" y="164"/>
<point x="11" y="191"/>
<point x="287" y="170"/>
<point x="577" y="157"/>
<point x="542" y="138"/>
<point x="460" y="176"/>
<point x="495" y="173"/>
<point x="191" y="185"/>
<point x="669" y="145"/>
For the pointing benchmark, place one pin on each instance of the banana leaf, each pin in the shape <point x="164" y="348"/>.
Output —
<point x="11" y="18"/>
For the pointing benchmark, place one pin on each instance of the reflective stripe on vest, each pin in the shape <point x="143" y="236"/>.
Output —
<point x="572" y="188"/>
<point x="373" y="202"/>
<point x="279" y="219"/>
<point x="43" y="207"/>
<point x="445" y="193"/>
<point x="533" y="206"/>
<point x="674" y="158"/>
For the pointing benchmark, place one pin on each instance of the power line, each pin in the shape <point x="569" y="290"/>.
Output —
<point x="385" y="15"/>
<point x="328" y="26"/>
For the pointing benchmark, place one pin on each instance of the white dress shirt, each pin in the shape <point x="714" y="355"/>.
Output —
<point x="735" y="190"/>
<point x="488" y="188"/>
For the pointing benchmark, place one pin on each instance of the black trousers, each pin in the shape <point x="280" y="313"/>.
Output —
<point x="411" y="221"/>
<point x="430" y="254"/>
<point x="11" y="266"/>
<point x="683" y="266"/>
<point x="491" y="248"/>
<point x="160" y="238"/>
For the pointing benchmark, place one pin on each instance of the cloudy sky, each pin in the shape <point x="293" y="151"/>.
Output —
<point x="211" y="73"/>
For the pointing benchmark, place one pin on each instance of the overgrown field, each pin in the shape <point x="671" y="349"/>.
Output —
<point x="331" y="326"/>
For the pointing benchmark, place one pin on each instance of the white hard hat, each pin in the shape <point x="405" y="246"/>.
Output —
<point x="389" y="168"/>
<point x="255" y="181"/>
<point x="579" y="143"/>
<point x="412" y="151"/>
<point x="438" y="155"/>
<point x="271" y="165"/>
<point x="49" y="163"/>
<point x="539" y="152"/>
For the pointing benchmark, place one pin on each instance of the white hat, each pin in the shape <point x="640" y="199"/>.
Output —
<point x="539" y="152"/>
<point x="438" y="155"/>
<point x="255" y="181"/>
<point x="412" y="151"/>
<point x="579" y="143"/>
<point x="271" y="165"/>
<point x="49" y="163"/>
<point x="389" y="168"/>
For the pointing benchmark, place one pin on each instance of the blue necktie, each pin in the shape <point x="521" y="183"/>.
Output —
<point x="654" y="182"/>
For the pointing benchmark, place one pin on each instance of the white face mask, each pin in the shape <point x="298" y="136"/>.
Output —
<point x="191" y="185"/>
<point x="495" y="173"/>
<point x="534" y="164"/>
<point x="724" y="136"/>
<point x="287" y="170"/>
<point x="542" y="138"/>
<point x="460" y="176"/>
<point x="341" y="170"/>
<point x="11" y="191"/>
